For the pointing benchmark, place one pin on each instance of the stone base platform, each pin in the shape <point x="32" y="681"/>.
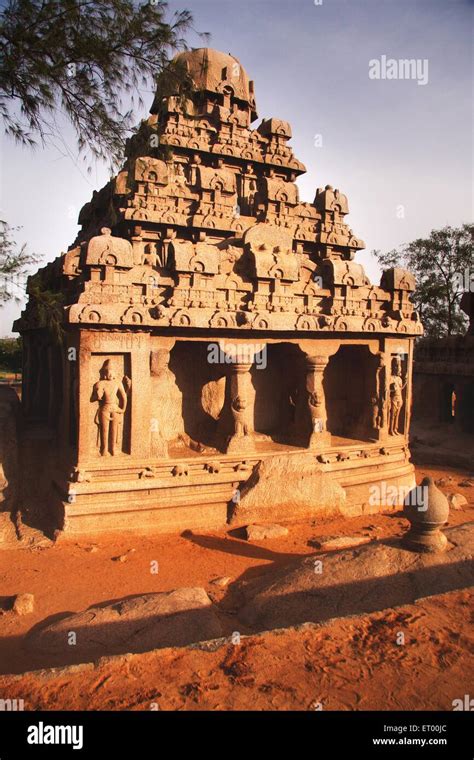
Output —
<point x="201" y="491"/>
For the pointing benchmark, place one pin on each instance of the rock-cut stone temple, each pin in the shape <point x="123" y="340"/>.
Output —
<point x="222" y="355"/>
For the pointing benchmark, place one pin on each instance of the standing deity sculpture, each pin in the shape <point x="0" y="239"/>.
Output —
<point x="112" y="397"/>
<point x="397" y="386"/>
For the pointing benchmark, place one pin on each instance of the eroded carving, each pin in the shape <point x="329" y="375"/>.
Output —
<point x="397" y="387"/>
<point x="111" y="395"/>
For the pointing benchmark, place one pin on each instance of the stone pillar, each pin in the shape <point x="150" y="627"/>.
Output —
<point x="139" y="395"/>
<point x="84" y="384"/>
<point x="319" y="436"/>
<point x="241" y="439"/>
<point x="409" y="387"/>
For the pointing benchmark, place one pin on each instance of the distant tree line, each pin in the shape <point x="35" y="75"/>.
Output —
<point x="10" y="355"/>
<point x="443" y="265"/>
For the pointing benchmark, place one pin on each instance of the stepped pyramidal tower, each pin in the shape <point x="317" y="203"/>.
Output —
<point x="223" y="357"/>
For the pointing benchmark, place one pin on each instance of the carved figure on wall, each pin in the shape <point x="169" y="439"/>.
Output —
<point x="252" y="193"/>
<point x="239" y="425"/>
<point x="150" y="256"/>
<point x="112" y="397"/>
<point x="315" y="402"/>
<point x="179" y="178"/>
<point x="240" y="413"/>
<point x="397" y="386"/>
<point x="376" y="416"/>
<point x="316" y="411"/>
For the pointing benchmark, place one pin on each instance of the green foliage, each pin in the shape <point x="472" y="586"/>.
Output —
<point x="14" y="262"/>
<point x="83" y="58"/>
<point x="443" y="265"/>
<point x="47" y="305"/>
<point x="10" y="354"/>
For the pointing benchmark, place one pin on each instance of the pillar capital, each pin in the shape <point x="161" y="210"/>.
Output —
<point x="240" y="367"/>
<point x="316" y="362"/>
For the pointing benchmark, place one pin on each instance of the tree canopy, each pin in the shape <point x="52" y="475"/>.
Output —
<point x="443" y="265"/>
<point x="86" y="59"/>
<point x="14" y="263"/>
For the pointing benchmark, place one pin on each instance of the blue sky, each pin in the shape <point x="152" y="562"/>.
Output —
<point x="401" y="151"/>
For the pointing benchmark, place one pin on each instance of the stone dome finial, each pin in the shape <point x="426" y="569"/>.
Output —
<point x="216" y="72"/>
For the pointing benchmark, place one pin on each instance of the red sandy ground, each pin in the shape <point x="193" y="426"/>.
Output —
<point x="347" y="664"/>
<point x="344" y="664"/>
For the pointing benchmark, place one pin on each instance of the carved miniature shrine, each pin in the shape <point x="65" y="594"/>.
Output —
<point x="211" y="321"/>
